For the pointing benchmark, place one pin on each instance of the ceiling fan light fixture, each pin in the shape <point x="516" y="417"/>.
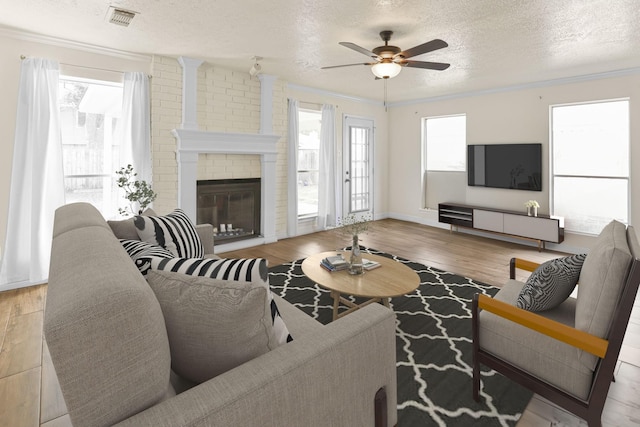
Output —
<point x="386" y="70"/>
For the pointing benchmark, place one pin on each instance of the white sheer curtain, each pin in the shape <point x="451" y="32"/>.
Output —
<point x="327" y="174"/>
<point x="136" y="125"/>
<point x="37" y="177"/>
<point x="292" y="208"/>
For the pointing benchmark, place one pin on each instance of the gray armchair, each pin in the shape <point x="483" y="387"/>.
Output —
<point x="567" y="354"/>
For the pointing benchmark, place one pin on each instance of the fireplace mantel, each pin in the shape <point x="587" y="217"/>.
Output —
<point x="191" y="143"/>
<point x="200" y="141"/>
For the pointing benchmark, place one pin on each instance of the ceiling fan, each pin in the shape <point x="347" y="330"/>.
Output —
<point x="389" y="60"/>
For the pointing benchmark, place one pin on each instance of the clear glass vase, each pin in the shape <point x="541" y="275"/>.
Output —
<point x="355" y="261"/>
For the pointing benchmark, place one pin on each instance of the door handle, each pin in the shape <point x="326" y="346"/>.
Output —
<point x="347" y="180"/>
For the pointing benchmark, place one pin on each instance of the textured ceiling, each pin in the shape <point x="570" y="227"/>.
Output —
<point x="491" y="43"/>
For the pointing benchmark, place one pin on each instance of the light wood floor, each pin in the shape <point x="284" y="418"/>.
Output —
<point x="29" y="395"/>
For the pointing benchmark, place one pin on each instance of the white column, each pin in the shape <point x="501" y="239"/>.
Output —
<point x="187" y="180"/>
<point x="189" y="92"/>
<point x="268" y="203"/>
<point x="266" y="103"/>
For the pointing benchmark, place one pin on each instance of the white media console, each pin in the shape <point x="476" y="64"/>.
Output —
<point x="541" y="228"/>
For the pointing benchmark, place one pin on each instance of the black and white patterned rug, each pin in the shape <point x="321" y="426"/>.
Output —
<point x="433" y="347"/>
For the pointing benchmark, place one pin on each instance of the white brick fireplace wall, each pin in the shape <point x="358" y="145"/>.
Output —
<point x="191" y="142"/>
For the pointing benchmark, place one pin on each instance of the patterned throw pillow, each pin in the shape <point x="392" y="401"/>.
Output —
<point x="125" y="229"/>
<point x="252" y="270"/>
<point x="551" y="283"/>
<point x="174" y="232"/>
<point x="141" y="251"/>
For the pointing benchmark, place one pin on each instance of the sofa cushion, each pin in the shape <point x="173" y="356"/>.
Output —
<point x="538" y="354"/>
<point x="551" y="283"/>
<point x="107" y="369"/>
<point x="601" y="282"/>
<point x="213" y="325"/>
<point x="125" y="228"/>
<point x="141" y="251"/>
<point x="174" y="232"/>
<point x="252" y="270"/>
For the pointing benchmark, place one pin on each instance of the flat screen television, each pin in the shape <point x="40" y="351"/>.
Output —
<point x="513" y="166"/>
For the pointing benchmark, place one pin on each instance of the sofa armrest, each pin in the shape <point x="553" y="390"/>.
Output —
<point x="205" y="232"/>
<point x="330" y="377"/>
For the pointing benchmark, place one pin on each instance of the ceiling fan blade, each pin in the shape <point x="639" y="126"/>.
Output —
<point x="424" y="48"/>
<point x="359" y="49"/>
<point x="428" y="65"/>
<point x="347" y="65"/>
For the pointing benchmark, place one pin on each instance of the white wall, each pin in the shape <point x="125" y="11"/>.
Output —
<point x="515" y="116"/>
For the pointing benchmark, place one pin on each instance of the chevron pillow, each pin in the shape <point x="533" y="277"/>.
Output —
<point x="551" y="283"/>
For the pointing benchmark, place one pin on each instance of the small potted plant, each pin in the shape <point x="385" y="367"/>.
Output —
<point x="137" y="192"/>
<point x="532" y="206"/>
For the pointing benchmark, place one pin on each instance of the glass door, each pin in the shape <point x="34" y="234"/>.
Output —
<point x="358" y="167"/>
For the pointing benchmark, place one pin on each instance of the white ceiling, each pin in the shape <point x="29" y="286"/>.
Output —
<point x="492" y="43"/>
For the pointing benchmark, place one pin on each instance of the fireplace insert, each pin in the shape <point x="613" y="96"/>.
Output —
<point x="232" y="206"/>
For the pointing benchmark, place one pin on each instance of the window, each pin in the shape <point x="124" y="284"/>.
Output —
<point x="308" y="162"/>
<point x="89" y="115"/>
<point x="590" y="164"/>
<point x="444" y="159"/>
<point x="445" y="140"/>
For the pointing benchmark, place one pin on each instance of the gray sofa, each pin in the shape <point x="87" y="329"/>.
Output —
<point x="107" y="338"/>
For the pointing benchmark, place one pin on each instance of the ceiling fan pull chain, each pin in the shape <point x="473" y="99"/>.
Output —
<point x="385" y="95"/>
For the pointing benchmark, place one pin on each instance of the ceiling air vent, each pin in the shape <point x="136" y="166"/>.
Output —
<point x="120" y="16"/>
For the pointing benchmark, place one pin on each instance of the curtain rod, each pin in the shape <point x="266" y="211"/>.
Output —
<point x="22" y="57"/>
<point x="316" y="104"/>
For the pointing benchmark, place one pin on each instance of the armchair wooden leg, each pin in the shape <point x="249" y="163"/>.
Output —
<point x="476" y="382"/>
<point x="594" y="420"/>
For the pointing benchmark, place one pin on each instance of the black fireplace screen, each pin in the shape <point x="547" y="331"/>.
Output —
<point x="232" y="206"/>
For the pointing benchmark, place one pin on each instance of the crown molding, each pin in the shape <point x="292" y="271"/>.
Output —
<point x="532" y="85"/>
<point x="70" y="44"/>
<point x="293" y="86"/>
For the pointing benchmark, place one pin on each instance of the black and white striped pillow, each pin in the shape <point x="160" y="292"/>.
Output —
<point x="141" y="251"/>
<point x="252" y="270"/>
<point x="551" y="283"/>
<point x="174" y="232"/>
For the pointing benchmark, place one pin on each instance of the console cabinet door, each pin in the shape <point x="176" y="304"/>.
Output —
<point x="488" y="220"/>
<point x="533" y="227"/>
